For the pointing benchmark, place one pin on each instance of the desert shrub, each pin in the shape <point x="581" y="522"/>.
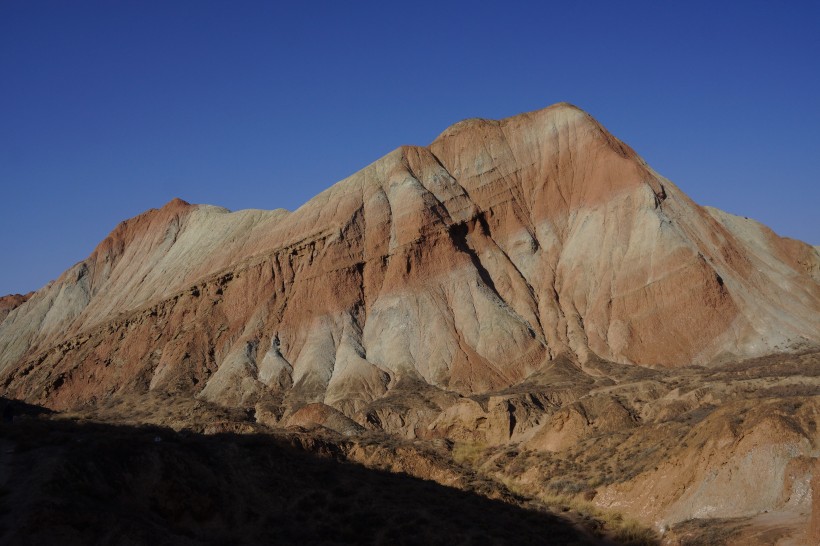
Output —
<point x="569" y="487"/>
<point x="630" y="533"/>
<point x="467" y="453"/>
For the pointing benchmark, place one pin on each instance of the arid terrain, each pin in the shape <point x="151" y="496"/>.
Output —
<point x="518" y="334"/>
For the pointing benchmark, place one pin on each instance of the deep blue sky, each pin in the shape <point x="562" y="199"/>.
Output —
<point x="111" y="108"/>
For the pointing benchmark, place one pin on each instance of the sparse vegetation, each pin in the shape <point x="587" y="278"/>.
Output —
<point x="468" y="453"/>
<point x="708" y="532"/>
<point x="681" y="412"/>
<point x="116" y="483"/>
<point x="612" y="525"/>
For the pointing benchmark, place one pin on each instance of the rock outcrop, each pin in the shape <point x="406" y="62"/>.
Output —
<point x="10" y="302"/>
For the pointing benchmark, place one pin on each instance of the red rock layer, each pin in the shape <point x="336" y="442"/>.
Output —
<point x="467" y="265"/>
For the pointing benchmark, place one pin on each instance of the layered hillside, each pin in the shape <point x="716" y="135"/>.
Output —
<point x="527" y="291"/>
<point x="468" y="264"/>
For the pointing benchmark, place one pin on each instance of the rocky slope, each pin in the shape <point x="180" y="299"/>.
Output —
<point x="74" y="482"/>
<point x="495" y="288"/>
<point x="517" y="242"/>
<point x="11" y="302"/>
<point x="733" y="447"/>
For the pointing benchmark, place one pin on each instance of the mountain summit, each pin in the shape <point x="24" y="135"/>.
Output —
<point x="501" y="248"/>
<point x="520" y="302"/>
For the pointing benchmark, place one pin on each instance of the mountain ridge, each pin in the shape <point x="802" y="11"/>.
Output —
<point x="526" y="297"/>
<point x="522" y="203"/>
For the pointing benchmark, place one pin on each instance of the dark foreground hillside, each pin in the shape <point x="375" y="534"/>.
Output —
<point x="75" y="482"/>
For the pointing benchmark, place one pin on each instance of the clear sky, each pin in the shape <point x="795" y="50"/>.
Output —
<point x="111" y="108"/>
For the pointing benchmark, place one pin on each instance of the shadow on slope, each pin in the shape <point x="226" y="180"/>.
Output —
<point x="76" y="482"/>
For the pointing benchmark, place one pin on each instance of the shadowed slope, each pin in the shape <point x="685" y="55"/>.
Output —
<point x="86" y="483"/>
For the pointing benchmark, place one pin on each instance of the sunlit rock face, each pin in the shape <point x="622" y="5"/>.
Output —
<point x="463" y="267"/>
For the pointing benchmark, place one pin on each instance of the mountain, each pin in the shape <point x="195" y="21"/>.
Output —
<point x="468" y="264"/>
<point x="535" y="252"/>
